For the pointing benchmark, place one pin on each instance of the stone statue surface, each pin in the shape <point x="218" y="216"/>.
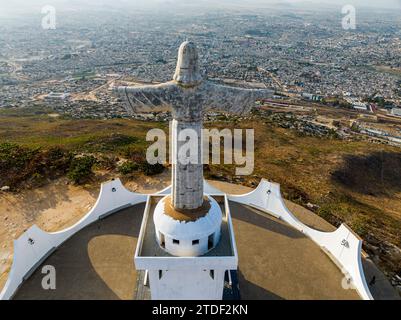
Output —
<point x="189" y="96"/>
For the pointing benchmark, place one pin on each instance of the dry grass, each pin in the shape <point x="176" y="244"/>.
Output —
<point x="368" y="198"/>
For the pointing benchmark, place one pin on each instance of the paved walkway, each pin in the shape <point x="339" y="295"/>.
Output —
<point x="381" y="288"/>
<point x="279" y="262"/>
<point x="276" y="262"/>
<point x="96" y="263"/>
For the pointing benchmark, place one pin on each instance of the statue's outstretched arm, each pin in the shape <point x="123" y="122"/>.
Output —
<point x="147" y="97"/>
<point x="232" y="99"/>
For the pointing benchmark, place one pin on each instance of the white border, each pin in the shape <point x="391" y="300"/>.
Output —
<point x="342" y="245"/>
<point x="173" y="262"/>
<point x="29" y="255"/>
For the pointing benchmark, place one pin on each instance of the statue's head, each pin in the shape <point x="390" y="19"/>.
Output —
<point x="187" y="71"/>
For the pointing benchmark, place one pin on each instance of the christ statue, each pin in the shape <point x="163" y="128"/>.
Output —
<point x="188" y="96"/>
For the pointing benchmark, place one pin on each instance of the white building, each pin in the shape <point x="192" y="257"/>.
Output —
<point x="396" y="112"/>
<point x="57" y="96"/>
<point x="186" y="257"/>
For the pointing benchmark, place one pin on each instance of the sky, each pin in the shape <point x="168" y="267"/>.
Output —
<point x="371" y="3"/>
<point x="33" y="5"/>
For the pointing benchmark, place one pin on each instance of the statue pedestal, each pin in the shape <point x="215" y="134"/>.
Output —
<point x="186" y="257"/>
<point x="187" y="233"/>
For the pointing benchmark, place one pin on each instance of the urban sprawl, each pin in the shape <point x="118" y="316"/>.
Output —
<point x="307" y="58"/>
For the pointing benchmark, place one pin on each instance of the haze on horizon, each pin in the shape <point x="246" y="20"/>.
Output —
<point x="7" y="6"/>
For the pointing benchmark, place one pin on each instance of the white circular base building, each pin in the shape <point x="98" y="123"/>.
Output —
<point x="187" y="233"/>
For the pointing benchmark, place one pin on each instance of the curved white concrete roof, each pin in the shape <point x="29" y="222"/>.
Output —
<point x="188" y="230"/>
<point x="342" y="245"/>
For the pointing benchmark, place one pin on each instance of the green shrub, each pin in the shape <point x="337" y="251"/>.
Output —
<point x="128" y="167"/>
<point x="31" y="166"/>
<point x="109" y="143"/>
<point x="360" y="224"/>
<point x="13" y="156"/>
<point x="56" y="161"/>
<point x="104" y="162"/>
<point x="151" y="169"/>
<point x="139" y="163"/>
<point x="81" y="169"/>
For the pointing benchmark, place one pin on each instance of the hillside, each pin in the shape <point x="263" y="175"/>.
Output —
<point x="356" y="182"/>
